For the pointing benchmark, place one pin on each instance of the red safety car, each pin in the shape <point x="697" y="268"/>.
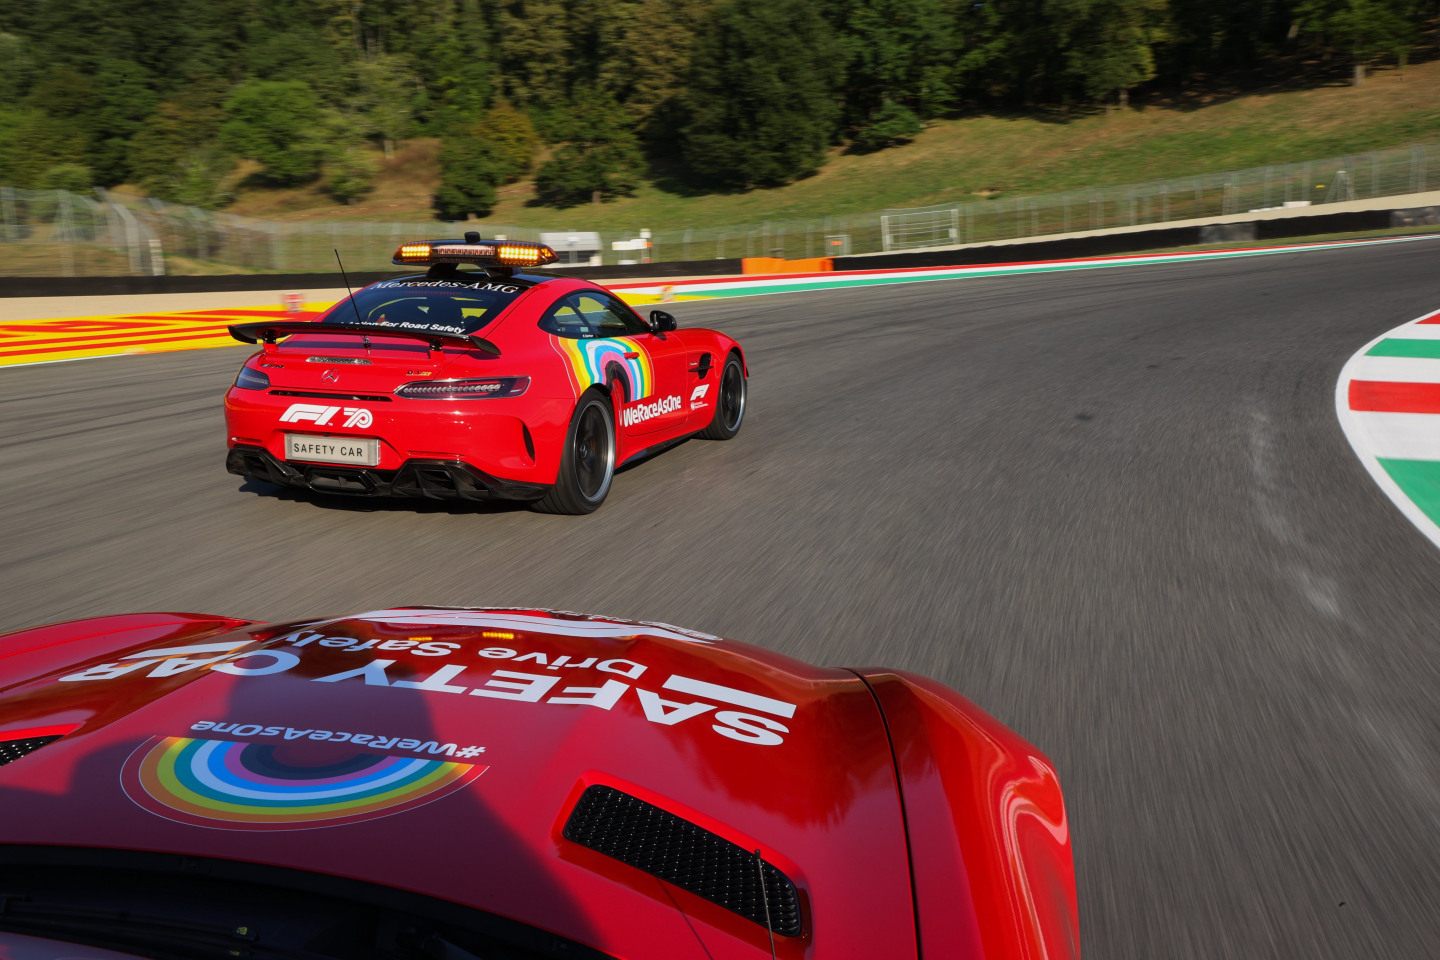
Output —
<point x="504" y="783"/>
<point x="476" y="384"/>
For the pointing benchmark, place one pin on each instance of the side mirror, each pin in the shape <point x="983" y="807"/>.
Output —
<point x="661" y="322"/>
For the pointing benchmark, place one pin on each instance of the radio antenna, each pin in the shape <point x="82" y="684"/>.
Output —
<point x="765" y="898"/>
<point x="350" y="294"/>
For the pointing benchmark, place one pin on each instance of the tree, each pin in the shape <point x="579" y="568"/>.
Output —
<point x="32" y="142"/>
<point x="1365" y="29"/>
<point x="181" y="44"/>
<point x="1206" y="36"/>
<point x="577" y="174"/>
<point x="450" y="49"/>
<point x="891" y="124"/>
<point x="469" y="172"/>
<point x="199" y="179"/>
<point x="287" y="45"/>
<point x="535" y="51"/>
<point x="384" y="99"/>
<point x="15" y="79"/>
<point x="897" y="52"/>
<point x="762" y="94"/>
<point x="278" y="123"/>
<point x="176" y="155"/>
<point x="646" y="47"/>
<point x="1109" y="44"/>
<point x="986" y="52"/>
<point x="122" y="99"/>
<point x="71" y="177"/>
<point x="600" y="159"/>
<point x="349" y="174"/>
<point x="512" y="139"/>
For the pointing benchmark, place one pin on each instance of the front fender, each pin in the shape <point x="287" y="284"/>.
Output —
<point x="989" y="841"/>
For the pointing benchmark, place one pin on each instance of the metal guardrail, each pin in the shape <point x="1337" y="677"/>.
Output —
<point x="49" y="233"/>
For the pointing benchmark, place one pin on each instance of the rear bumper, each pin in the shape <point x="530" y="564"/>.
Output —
<point x="517" y="439"/>
<point x="421" y="479"/>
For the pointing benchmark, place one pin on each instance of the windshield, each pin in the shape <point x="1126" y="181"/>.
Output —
<point x="462" y="305"/>
<point x="148" y="906"/>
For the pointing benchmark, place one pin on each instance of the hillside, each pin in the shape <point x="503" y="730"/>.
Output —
<point x="963" y="159"/>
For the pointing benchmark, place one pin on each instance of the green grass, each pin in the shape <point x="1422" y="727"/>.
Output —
<point x="964" y="159"/>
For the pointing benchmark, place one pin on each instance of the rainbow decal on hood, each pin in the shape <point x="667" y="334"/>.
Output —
<point x="591" y="359"/>
<point x="256" y="786"/>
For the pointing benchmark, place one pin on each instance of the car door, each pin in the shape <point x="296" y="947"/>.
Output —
<point x="654" y="364"/>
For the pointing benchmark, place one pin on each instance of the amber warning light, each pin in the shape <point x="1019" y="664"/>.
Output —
<point x="508" y="253"/>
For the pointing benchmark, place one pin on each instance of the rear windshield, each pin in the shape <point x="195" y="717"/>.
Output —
<point x="443" y="306"/>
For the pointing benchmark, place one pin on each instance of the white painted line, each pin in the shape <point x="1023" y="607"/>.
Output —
<point x="1399" y="369"/>
<point x="1416" y="331"/>
<point x="97" y="356"/>
<point x="1399" y="436"/>
<point x="758" y="286"/>
<point x="911" y="275"/>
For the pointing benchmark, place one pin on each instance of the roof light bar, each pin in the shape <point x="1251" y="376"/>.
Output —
<point x="508" y="253"/>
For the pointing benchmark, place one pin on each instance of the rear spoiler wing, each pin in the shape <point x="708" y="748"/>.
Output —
<point x="271" y="331"/>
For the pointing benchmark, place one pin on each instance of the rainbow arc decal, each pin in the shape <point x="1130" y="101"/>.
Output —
<point x="250" y="786"/>
<point x="590" y="359"/>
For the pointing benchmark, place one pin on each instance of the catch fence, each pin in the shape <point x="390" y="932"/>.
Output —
<point x="52" y="233"/>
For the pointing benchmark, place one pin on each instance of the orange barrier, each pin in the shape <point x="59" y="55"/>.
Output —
<point x="780" y="265"/>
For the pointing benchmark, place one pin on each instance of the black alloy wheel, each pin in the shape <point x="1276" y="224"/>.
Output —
<point x="587" y="463"/>
<point x="594" y="453"/>
<point x="730" y="403"/>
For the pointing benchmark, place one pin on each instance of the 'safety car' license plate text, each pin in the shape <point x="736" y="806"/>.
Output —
<point x="365" y="452"/>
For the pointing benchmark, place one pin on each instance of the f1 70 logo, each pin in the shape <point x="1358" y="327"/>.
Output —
<point x="321" y="415"/>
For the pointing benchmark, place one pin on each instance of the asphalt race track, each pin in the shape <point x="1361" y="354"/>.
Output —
<point x="1113" y="507"/>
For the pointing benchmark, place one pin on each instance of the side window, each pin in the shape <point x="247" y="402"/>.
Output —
<point x="617" y="308"/>
<point x="582" y="316"/>
<point x="565" y="320"/>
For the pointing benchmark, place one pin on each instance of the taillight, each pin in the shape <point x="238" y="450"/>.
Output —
<point x="251" y="379"/>
<point x="465" y="389"/>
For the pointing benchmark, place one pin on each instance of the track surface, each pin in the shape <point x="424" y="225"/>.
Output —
<point x="1114" y="508"/>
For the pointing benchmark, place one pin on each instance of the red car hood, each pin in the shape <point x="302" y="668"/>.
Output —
<point x="443" y="751"/>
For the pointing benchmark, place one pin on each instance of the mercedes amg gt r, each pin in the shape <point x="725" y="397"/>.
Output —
<point x="476" y="384"/>
<point x="479" y="784"/>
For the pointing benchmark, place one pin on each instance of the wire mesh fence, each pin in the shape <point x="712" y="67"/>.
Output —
<point x="52" y="233"/>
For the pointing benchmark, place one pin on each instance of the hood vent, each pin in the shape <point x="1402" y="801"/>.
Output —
<point x="11" y="750"/>
<point x="683" y="853"/>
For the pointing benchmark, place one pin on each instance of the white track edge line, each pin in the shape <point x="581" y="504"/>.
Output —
<point x="951" y="273"/>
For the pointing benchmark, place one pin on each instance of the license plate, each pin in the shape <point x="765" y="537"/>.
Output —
<point x="361" y="451"/>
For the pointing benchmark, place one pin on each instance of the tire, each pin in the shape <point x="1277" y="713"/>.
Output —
<point x="587" y="463"/>
<point x="729" y="402"/>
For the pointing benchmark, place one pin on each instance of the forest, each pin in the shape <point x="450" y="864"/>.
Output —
<point x="588" y="96"/>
